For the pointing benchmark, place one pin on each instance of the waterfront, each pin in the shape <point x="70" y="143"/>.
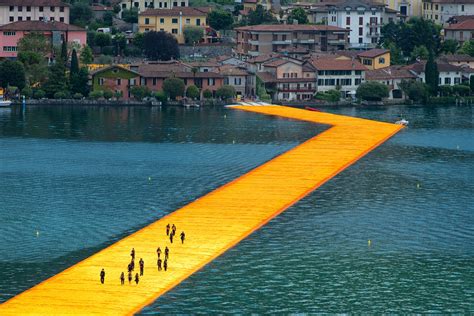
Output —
<point x="315" y="255"/>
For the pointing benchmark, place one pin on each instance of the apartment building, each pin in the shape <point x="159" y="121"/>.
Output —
<point x="33" y="10"/>
<point x="407" y="8"/>
<point x="173" y="20"/>
<point x="441" y="11"/>
<point x="364" y="20"/>
<point x="448" y="74"/>
<point x="461" y="31"/>
<point x="240" y="78"/>
<point x="264" y="39"/>
<point x="142" y="5"/>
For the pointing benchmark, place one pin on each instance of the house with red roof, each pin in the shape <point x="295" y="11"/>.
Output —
<point x="461" y="31"/>
<point x="391" y="77"/>
<point x="33" y="10"/>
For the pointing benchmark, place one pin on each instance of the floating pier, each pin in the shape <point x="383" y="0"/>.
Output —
<point x="213" y="223"/>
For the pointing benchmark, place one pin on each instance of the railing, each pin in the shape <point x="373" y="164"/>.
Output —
<point x="282" y="42"/>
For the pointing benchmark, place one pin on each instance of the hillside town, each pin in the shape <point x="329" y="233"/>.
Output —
<point x="273" y="51"/>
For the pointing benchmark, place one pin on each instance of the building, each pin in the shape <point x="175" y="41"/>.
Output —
<point x="458" y="60"/>
<point x="99" y="10"/>
<point x="173" y="21"/>
<point x="56" y="32"/>
<point x="407" y="8"/>
<point x="391" y="77"/>
<point x="116" y="79"/>
<point x="338" y="72"/>
<point x="448" y="74"/>
<point x="264" y="39"/>
<point x="364" y="20"/>
<point x="461" y="31"/>
<point x="33" y="10"/>
<point x="142" y="5"/>
<point x="441" y="11"/>
<point x="240" y="78"/>
<point x="375" y="58"/>
<point x="289" y="80"/>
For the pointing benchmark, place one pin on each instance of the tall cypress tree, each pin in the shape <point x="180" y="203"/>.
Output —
<point x="432" y="74"/>
<point x="74" y="63"/>
<point x="64" y="52"/>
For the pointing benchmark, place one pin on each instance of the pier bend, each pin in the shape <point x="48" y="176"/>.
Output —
<point x="213" y="223"/>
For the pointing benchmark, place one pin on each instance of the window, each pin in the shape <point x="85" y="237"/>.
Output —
<point x="447" y="80"/>
<point x="61" y="9"/>
<point x="11" y="19"/>
<point x="28" y="9"/>
<point x="361" y="20"/>
<point x="61" y="19"/>
<point x="41" y="9"/>
<point x="146" y="4"/>
<point x="188" y="21"/>
<point x="357" y="81"/>
<point x="136" y="4"/>
<point x="348" y="20"/>
<point x="381" y="60"/>
<point x="166" y="4"/>
<point x="124" y="5"/>
<point x="119" y="82"/>
<point x="9" y="33"/>
<point x="174" y="31"/>
<point x="20" y="18"/>
<point x="360" y="40"/>
<point x="28" y="18"/>
<point x="436" y="16"/>
<point x="174" y="21"/>
<point x="132" y="82"/>
<point x="20" y="8"/>
<point x="361" y="31"/>
<point x="462" y="8"/>
<point x="198" y="22"/>
<point x="436" y="7"/>
<point x="162" y="30"/>
<point x="367" y="62"/>
<point x="101" y="81"/>
<point x="162" y="20"/>
<point x="183" y="4"/>
<point x="147" y="20"/>
<point x="333" y="19"/>
<point x="154" y="81"/>
<point x="238" y="81"/>
<point x="9" y="48"/>
<point x="41" y="18"/>
<point x="147" y="30"/>
<point x="51" y="9"/>
<point x="175" y="4"/>
<point x="211" y="81"/>
<point x="51" y="18"/>
<point x="457" y="80"/>
<point x="12" y="8"/>
<point x="160" y="5"/>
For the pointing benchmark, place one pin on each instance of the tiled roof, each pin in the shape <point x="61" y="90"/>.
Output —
<point x="278" y="62"/>
<point x="289" y="28"/>
<point x="393" y="72"/>
<point x="336" y="64"/>
<point x="372" y="53"/>
<point x="264" y="57"/>
<point x="464" y="25"/>
<point x="203" y="64"/>
<point x="40" y="26"/>
<point x="419" y="67"/>
<point x="169" y="69"/>
<point x="229" y="70"/>
<point x="99" y="70"/>
<point x="185" y="11"/>
<point x="34" y="3"/>
<point x="456" y="58"/>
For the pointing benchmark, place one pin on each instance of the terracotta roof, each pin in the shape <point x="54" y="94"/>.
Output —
<point x="372" y="53"/>
<point x="393" y="72"/>
<point x="419" y="67"/>
<point x="229" y="70"/>
<point x="336" y="64"/>
<point x="464" y="25"/>
<point x="290" y="28"/>
<point x="185" y="11"/>
<point x="34" y="3"/>
<point x="279" y="62"/>
<point x="460" y="18"/>
<point x="203" y="64"/>
<point x="169" y="69"/>
<point x="456" y="58"/>
<point x="40" y="26"/>
<point x="294" y="50"/>
<point x="264" y="57"/>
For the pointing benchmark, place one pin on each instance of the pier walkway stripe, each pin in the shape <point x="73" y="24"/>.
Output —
<point x="213" y="223"/>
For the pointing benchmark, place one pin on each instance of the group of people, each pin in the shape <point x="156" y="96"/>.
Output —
<point x="162" y="264"/>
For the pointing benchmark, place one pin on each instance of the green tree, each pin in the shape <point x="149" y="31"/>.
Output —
<point x="160" y="96"/>
<point x="138" y="40"/>
<point x="74" y="69"/>
<point x="173" y="87"/>
<point x="220" y="20"/>
<point x="372" y="91"/>
<point x="419" y="52"/>
<point x="331" y="95"/>
<point x="139" y="92"/>
<point x="108" y="18"/>
<point x="468" y="48"/>
<point x="461" y="90"/>
<point x="445" y="90"/>
<point x="192" y="92"/>
<point x="207" y="94"/>
<point x="102" y="40"/>
<point x="57" y="80"/>
<point x="80" y="13"/>
<point x="119" y="42"/>
<point x="260" y="16"/>
<point x="12" y="73"/>
<point x="160" y="46"/>
<point x="415" y="90"/>
<point x="34" y="42"/>
<point x="432" y="74"/>
<point x="298" y="14"/>
<point x="449" y="46"/>
<point x="32" y="49"/>
<point x="396" y="56"/>
<point x="86" y="55"/>
<point x="471" y="84"/>
<point x="63" y="56"/>
<point x="225" y="92"/>
<point x="193" y="34"/>
<point x="130" y="16"/>
<point x="79" y="81"/>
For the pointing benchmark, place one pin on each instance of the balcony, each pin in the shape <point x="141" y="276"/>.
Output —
<point x="373" y="34"/>
<point x="253" y="53"/>
<point x="306" y="41"/>
<point x="282" y="42"/>
<point x="253" y="42"/>
<point x="336" y="42"/>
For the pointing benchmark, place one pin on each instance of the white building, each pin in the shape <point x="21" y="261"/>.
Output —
<point x="448" y="74"/>
<point x="142" y="5"/>
<point x="364" y="19"/>
<point x="440" y="11"/>
<point x="33" y="10"/>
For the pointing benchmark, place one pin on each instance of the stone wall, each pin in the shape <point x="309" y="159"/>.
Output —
<point x="209" y="51"/>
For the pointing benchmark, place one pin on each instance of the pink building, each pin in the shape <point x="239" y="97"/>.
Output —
<point x="55" y="32"/>
<point x="33" y="10"/>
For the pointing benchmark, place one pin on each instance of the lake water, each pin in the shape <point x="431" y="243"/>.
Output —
<point x="75" y="179"/>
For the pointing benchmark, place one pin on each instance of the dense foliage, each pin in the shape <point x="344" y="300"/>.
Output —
<point x="372" y="91"/>
<point x="173" y="87"/>
<point x="193" y="34"/>
<point x="299" y="15"/>
<point x="160" y="46"/>
<point x="220" y="20"/>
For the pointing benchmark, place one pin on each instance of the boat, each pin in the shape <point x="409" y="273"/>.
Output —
<point x="312" y="109"/>
<point x="4" y="102"/>
<point x="402" y="122"/>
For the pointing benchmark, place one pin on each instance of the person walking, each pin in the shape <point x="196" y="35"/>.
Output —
<point x="165" y="265"/>
<point x="167" y="251"/>
<point x="159" y="264"/>
<point x="129" y="277"/>
<point x="142" y="265"/>
<point x="122" y="278"/>
<point x="129" y="267"/>
<point x="182" y="237"/>
<point x="132" y="264"/>
<point x="102" y="276"/>
<point x="171" y="237"/>
<point x="173" y="229"/>
<point x="136" y="278"/>
<point x="132" y="253"/>
<point x="167" y="229"/>
<point x="158" y="252"/>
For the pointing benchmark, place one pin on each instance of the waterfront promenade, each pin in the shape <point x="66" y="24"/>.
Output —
<point x="213" y="223"/>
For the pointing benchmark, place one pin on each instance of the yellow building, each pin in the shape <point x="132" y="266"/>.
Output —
<point x="407" y="8"/>
<point x="375" y="58"/>
<point x="173" y="21"/>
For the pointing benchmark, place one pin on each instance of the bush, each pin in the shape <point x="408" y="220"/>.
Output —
<point x="225" y="92"/>
<point x="78" y="96"/>
<point x="60" y="95"/>
<point x="160" y="96"/>
<point x="372" y="91"/>
<point x="461" y="90"/>
<point x="330" y="96"/>
<point x="173" y="87"/>
<point x="192" y="92"/>
<point x="139" y="92"/>
<point x="27" y="92"/>
<point x="417" y="91"/>
<point x="118" y="94"/>
<point x="96" y="94"/>
<point x="207" y="94"/>
<point x="39" y="94"/>
<point x="108" y="94"/>
<point x="445" y="90"/>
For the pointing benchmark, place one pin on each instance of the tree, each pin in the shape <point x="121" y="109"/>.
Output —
<point x="80" y="13"/>
<point x="130" y="16"/>
<point x="225" y="92"/>
<point x="471" y="84"/>
<point x="160" y="46"/>
<point x="419" y="52"/>
<point x="192" y="92"/>
<point x="119" y="42"/>
<point x="102" y="40"/>
<point x="86" y="55"/>
<point x="220" y="20"/>
<point x="63" y="56"/>
<point x="260" y="16"/>
<point x="432" y="74"/>
<point x="57" y="80"/>
<point x="449" y="46"/>
<point x="138" y="40"/>
<point x="12" y="73"/>
<point x="74" y="69"/>
<point x="173" y="87"/>
<point x="415" y="90"/>
<point x="372" y="91"/>
<point x="396" y="56"/>
<point x="108" y="18"/>
<point x="193" y="34"/>
<point x="461" y="90"/>
<point x="331" y="95"/>
<point x="34" y="42"/>
<point x="79" y="81"/>
<point x="207" y="94"/>
<point x="139" y="92"/>
<point x="298" y="14"/>
<point x="468" y="48"/>
<point x="32" y="49"/>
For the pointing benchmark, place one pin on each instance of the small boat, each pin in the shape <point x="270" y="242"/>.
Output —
<point x="312" y="109"/>
<point x="4" y="102"/>
<point x="402" y="122"/>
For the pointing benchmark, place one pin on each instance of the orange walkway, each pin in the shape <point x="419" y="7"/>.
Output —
<point x="213" y="223"/>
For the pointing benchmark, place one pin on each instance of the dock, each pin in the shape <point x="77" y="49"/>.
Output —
<point x="213" y="223"/>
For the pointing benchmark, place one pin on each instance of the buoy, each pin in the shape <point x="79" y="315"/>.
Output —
<point x="418" y="185"/>
<point x="37" y="233"/>
<point x="233" y="142"/>
<point x="225" y="115"/>
<point x="149" y="178"/>
<point x="369" y="242"/>
<point x="457" y="147"/>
